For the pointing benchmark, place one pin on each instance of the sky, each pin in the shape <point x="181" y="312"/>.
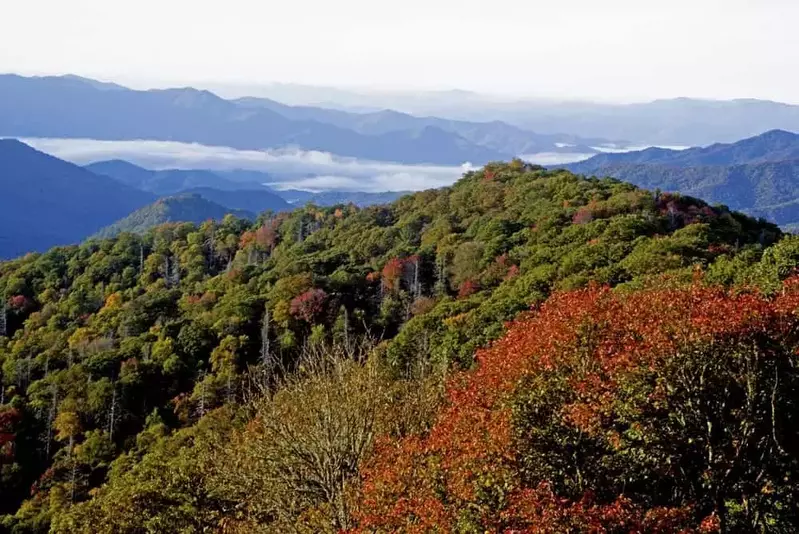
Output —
<point x="612" y="50"/>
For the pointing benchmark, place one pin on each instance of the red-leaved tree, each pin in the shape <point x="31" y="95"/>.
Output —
<point x="309" y="305"/>
<point x="655" y="411"/>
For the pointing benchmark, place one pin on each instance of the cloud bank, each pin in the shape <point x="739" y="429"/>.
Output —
<point x="290" y="168"/>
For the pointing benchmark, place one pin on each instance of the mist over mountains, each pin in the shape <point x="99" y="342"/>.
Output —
<point x="74" y="107"/>
<point x="678" y="121"/>
<point x="250" y="154"/>
<point x="48" y="202"/>
<point x="283" y="169"/>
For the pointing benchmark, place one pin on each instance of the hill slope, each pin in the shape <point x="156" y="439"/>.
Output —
<point x="759" y="175"/>
<point x="129" y="345"/>
<point x="251" y="200"/>
<point x="188" y="207"/>
<point x="596" y="414"/>
<point x="771" y="146"/>
<point x="46" y="201"/>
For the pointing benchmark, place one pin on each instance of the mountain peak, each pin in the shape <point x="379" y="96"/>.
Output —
<point x="189" y="97"/>
<point x="103" y="86"/>
<point x="778" y="134"/>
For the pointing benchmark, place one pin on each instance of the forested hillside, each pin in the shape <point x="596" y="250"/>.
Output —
<point x="758" y="175"/>
<point x="186" y="207"/>
<point x="180" y="370"/>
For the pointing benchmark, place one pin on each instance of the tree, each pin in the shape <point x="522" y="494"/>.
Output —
<point x="657" y="411"/>
<point x="309" y="305"/>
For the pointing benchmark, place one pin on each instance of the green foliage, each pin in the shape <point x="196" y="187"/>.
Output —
<point x="101" y="334"/>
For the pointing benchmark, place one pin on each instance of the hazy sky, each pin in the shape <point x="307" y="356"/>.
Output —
<point x="612" y="49"/>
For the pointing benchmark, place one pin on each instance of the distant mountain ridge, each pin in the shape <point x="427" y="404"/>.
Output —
<point x="185" y="207"/>
<point x="238" y="189"/>
<point x="771" y="146"/>
<point x="758" y="175"/>
<point x="250" y="200"/>
<point x="496" y="135"/>
<point x="670" y="122"/>
<point x="45" y="202"/>
<point x="164" y="182"/>
<point x="74" y="107"/>
<point x="332" y="198"/>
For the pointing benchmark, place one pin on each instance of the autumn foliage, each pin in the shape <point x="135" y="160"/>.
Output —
<point x="392" y="274"/>
<point x="8" y="419"/>
<point x="309" y="305"/>
<point x="655" y="411"/>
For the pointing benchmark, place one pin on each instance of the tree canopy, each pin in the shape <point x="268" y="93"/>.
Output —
<point x="123" y="359"/>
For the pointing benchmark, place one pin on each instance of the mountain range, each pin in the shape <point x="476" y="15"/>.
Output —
<point x="758" y="175"/>
<point x="164" y="182"/>
<point x="449" y="127"/>
<point x="496" y="135"/>
<point x="74" y="107"/>
<point x="46" y="201"/>
<point x="235" y="189"/>
<point x="678" y="121"/>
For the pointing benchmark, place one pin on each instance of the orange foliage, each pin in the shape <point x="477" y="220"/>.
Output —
<point x="468" y="288"/>
<point x="513" y="272"/>
<point x="426" y="483"/>
<point x="392" y="274"/>
<point x="583" y="215"/>
<point x="247" y="240"/>
<point x="266" y="236"/>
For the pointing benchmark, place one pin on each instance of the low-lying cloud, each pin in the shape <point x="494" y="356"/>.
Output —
<point x="290" y="168"/>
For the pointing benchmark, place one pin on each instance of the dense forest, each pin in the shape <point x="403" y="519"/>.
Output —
<point x="327" y="370"/>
